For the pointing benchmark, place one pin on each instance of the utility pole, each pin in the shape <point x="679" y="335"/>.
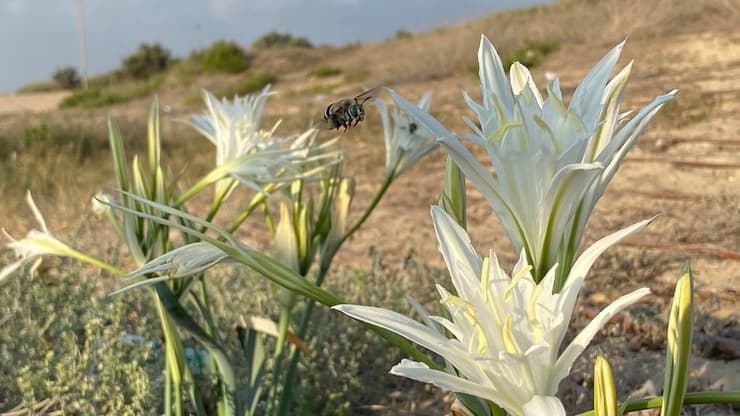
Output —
<point x="83" y="42"/>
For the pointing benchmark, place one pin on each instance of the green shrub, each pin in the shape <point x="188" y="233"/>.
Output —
<point x="324" y="71"/>
<point x="255" y="82"/>
<point x="66" y="77"/>
<point x="61" y="340"/>
<point x="274" y="40"/>
<point x="41" y="86"/>
<point x="120" y="92"/>
<point x="149" y="59"/>
<point x="531" y="54"/>
<point x="403" y="34"/>
<point x="91" y="98"/>
<point x="223" y="56"/>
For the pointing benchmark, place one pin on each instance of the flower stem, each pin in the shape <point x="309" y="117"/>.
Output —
<point x="95" y="262"/>
<point x="702" y="397"/>
<point x="386" y="184"/>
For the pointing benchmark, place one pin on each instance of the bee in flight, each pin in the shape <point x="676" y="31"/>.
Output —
<point x="348" y="113"/>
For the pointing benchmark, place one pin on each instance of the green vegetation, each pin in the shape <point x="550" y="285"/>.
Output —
<point x="403" y="34"/>
<point x="222" y="57"/>
<point x="95" y="96"/>
<point x="41" y="86"/>
<point x="273" y="40"/>
<point x="324" y="71"/>
<point x="66" y="77"/>
<point x="255" y="82"/>
<point x="91" y="98"/>
<point x="531" y="54"/>
<point x="61" y="341"/>
<point x="148" y="60"/>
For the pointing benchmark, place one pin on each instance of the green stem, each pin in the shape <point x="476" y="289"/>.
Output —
<point x="702" y="397"/>
<point x="278" y="357"/>
<point x="290" y="373"/>
<point x="386" y="184"/>
<point x="95" y="262"/>
<point x="218" y="201"/>
<point x="167" y="388"/>
<point x="256" y="201"/>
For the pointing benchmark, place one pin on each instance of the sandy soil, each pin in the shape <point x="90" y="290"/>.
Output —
<point x="31" y="103"/>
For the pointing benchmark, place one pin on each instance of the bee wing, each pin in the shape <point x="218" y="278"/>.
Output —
<point x="367" y="95"/>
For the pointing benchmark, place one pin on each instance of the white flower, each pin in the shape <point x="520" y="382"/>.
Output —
<point x="35" y="245"/>
<point x="506" y="331"/>
<point x="252" y="155"/>
<point x="234" y="126"/>
<point x="405" y="141"/>
<point x="552" y="162"/>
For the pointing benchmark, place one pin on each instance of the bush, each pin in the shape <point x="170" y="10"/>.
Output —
<point x="41" y="86"/>
<point x="403" y="34"/>
<point x="101" y="96"/>
<point x="274" y="40"/>
<point x="531" y="54"/>
<point x="148" y="60"/>
<point x="324" y="71"/>
<point x="91" y="98"/>
<point x="66" y="77"/>
<point x="255" y="82"/>
<point x="223" y="56"/>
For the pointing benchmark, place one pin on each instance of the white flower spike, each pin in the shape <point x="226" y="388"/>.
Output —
<point x="506" y="330"/>
<point x="254" y="156"/>
<point x="552" y="162"/>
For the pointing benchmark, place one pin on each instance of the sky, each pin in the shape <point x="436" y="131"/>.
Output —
<point x="39" y="36"/>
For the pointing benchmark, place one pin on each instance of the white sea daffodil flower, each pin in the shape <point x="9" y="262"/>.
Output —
<point x="505" y="330"/>
<point x="252" y="155"/>
<point x="405" y="141"/>
<point x="552" y="162"/>
<point x="35" y="245"/>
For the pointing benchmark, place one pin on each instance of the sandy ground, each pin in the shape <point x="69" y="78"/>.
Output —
<point x="32" y="102"/>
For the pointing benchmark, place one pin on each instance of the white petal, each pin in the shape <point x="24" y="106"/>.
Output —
<point x="581" y="341"/>
<point x="462" y="260"/>
<point x="421" y="372"/>
<point x="493" y="76"/>
<point x="413" y="331"/>
<point x="544" y="405"/>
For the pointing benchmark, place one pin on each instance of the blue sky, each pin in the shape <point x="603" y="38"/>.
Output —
<point x="38" y="36"/>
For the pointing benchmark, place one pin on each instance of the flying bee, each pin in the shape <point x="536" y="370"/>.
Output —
<point x="348" y="113"/>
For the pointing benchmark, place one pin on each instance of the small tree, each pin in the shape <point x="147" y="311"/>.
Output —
<point x="66" y="77"/>
<point x="274" y="40"/>
<point x="224" y="56"/>
<point x="149" y="59"/>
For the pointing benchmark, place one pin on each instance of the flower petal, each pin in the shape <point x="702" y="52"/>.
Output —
<point x="544" y="405"/>
<point x="581" y="341"/>
<point x="462" y="260"/>
<point x="421" y="372"/>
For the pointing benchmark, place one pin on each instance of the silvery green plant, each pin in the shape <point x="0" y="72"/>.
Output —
<point x="552" y="160"/>
<point x="247" y="155"/>
<point x="312" y="224"/>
